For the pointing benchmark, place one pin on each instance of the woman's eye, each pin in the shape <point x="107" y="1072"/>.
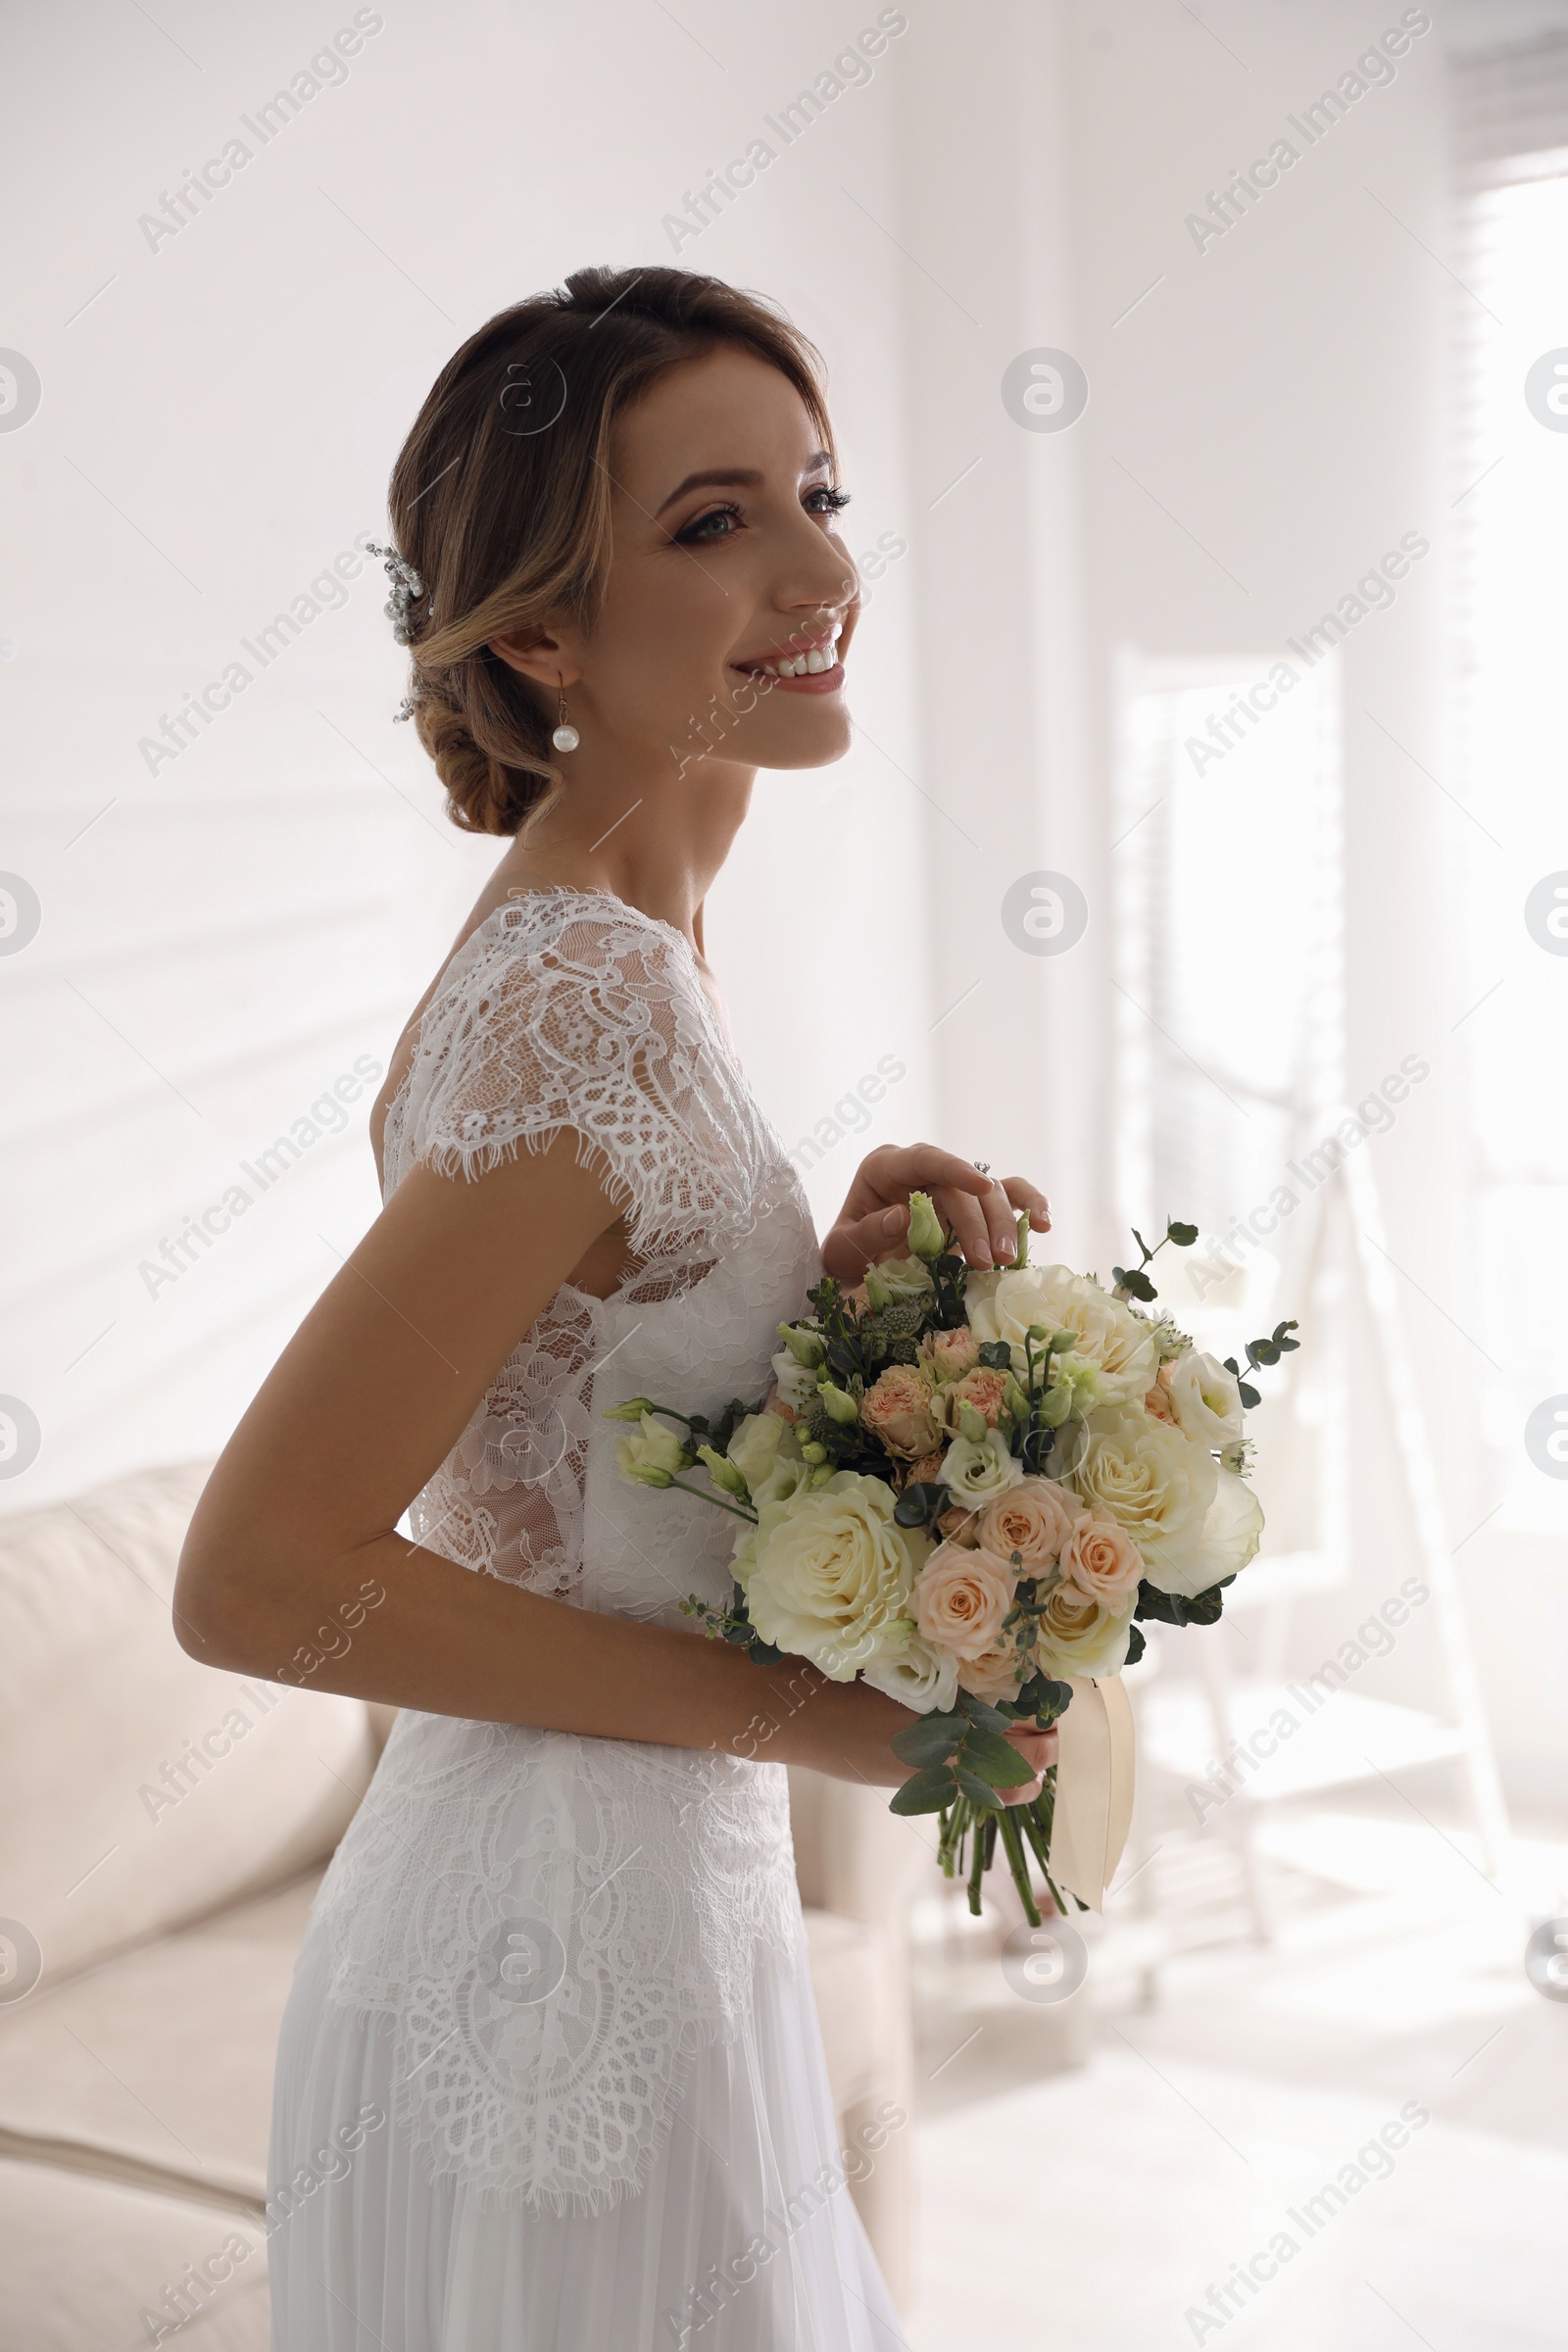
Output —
<point x="826" y="501"/>
<point x="720" y="523"/>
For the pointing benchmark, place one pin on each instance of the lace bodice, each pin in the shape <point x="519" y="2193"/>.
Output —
<point x="640" y="1878"/>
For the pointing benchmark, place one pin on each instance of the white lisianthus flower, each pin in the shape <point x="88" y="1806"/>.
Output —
<point x="651" y="1458"/>
<point x="901" y="1277"/>
<point x="1205" y="1400"/>
<point x="797" y="1381"/>
<point x="907" y="1668"/>
<point x="1152" y="1479"/>
<point x="1221" y="1546"/>
<point x="1079" y="1635"/>
<point x="826" y="1572"/>
<point x="761" y="1449"/>
<point x="1121" y="1350"/>
<point x="975" y="1470"/>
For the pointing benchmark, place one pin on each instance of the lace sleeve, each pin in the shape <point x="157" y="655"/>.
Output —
<point x="567" y="1011"/>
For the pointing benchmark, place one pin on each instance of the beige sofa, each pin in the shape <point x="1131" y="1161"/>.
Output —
<point x="164" y="1829"/>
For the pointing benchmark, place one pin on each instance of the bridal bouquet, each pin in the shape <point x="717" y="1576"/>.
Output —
<point x="967" y="1488"/>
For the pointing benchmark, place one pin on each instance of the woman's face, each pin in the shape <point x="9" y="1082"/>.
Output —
<point x="726" y="565"/>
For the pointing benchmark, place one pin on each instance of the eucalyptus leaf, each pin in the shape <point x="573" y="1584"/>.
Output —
<point x="977" y="1790"/>
<point x="994" y="1759"/>
<point x="929" y="1791"/>
<point x="981" y="1711"/>
<point x="930" y="1739"/>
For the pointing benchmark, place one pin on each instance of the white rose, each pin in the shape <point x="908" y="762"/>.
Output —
<point x="907" y="1668"/>
<point x="1220" y="1547"/>
<point x="766" y="1451"/>
<point x="826" y="1572"/>
<point x="1149" y="1478"/>
<point x="1122" y="1350"/>
<point x="796" y="1384"/>
<point x="1079" y="1635"/>
<point x="1205" y="1400"/>
<point x="975" y="1470"/>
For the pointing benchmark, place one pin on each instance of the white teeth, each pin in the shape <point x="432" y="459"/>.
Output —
<point x="803" y="665"/>
<point x="817" y="662"/>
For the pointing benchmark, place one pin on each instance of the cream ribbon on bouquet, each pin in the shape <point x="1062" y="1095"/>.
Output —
<point x="1094" y="1787"/>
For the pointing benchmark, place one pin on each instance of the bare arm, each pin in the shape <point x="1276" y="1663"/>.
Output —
<point x="300" y="1515"/>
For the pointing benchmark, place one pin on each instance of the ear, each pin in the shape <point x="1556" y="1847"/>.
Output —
<point x="547" y="655"/>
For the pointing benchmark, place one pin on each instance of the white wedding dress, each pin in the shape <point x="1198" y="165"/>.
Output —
<point x="549" y="2077"/>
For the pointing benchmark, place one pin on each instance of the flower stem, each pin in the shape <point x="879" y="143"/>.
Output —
<point x="703" y="1495"/>
<point x="977" y="1866"/>
<point x="1013" y="1842"/>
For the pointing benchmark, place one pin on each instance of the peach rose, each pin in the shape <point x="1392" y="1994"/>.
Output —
<point x="926" y="1470"/>
<point x="900" y="1409"/>
<point x="1033" y="1519"/>
<point x="949" y="1354"/>
<point x="1157" y="1404"/>
<point x="960" y="1599"/>
<point x="982" y="1387"/>
<point x="996" y="1674"/>
<point x="960" y="1527"/>
<point x="1102" y="1559"/>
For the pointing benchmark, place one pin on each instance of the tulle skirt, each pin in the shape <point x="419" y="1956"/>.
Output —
<point x="744" y="2237"/>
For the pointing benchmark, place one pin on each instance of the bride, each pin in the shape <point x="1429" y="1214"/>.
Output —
<point x="552" y="2034"/>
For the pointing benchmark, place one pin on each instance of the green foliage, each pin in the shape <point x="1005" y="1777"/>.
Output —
<point x="1175" y="1608"/>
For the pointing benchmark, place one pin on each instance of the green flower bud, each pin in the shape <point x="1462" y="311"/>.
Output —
<point x="723" y="1473"/>
<point x="1022" y="1227"/>
<point x="632" y="1410"/>
<point x="645" y="1474"/>
<point x="806" y="1346"/>
<point x="877" y="1292"/>
<point x="1013" y="1398"/>
<point x="1062" y="1343"/>
<point x="925" y="1236"/>
<point x="813" y="1452"/>
<point x="971" y="1423"/>
<point x="1057" y="1404"/>
<point x="838" y="1404"/>
<point x="821" y="1474"/>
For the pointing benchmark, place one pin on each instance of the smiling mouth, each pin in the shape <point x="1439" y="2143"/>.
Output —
<point x="818" y="664"/>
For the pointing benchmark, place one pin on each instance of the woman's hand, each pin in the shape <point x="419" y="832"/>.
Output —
<point x="1038" y="1749"/>
<point x="980" y="1209"/>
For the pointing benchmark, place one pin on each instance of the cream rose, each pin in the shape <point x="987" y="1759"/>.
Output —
<point x="825" y="1573"/>
<point x="1102" y="1559"/>
<point x="1121" y="1350"/>
<point x="900" y="1409"/>
<point x="907" y="1668"/>
<point x="977" y="1469"/>
<point x="1033" y="1519"/>
<point x="960" y="1599"/>
<point x="1151" y="1480"/>
<point x="1079" y="1635"/>
<point x="1221" y="1547"/>
<point x="1206" y="1400"/>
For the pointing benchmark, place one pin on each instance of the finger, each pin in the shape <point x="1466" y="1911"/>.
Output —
<point x="1024" y="1194"/>
<point x="971" y="1235"/>
<point x="1020" y="1797"/>
<point x="1001" y="1225"/>
<point x="922" y="1168"/>
<point x="849" y="1248"/>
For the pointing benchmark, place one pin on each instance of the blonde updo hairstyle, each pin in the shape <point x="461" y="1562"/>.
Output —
<point x="501" y="502"/>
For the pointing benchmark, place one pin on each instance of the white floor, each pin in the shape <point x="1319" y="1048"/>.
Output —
<point x="1095" y="2208"/>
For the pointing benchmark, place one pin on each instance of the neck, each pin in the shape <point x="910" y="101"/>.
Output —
<point x="654" y="843"/>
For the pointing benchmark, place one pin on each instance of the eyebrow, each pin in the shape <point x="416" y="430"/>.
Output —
<point x="737" y="477"/>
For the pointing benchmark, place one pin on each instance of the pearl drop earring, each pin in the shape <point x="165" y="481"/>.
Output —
<point x="565" y="737"/>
